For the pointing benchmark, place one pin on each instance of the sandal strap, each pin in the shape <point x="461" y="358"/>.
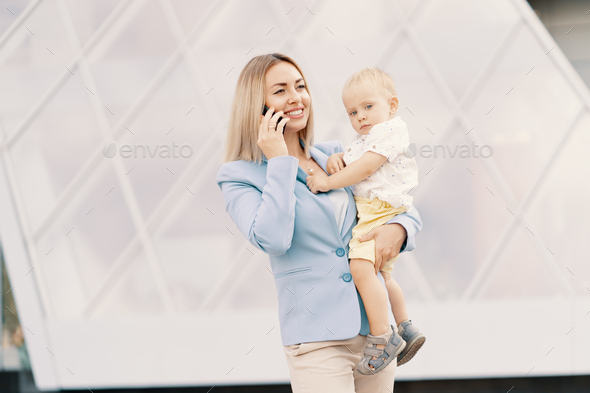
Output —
<point x="389" y="350"/>
<point x="383" y="356"/>
<point x="373" y="351"/>
<point x="376" y="340"/>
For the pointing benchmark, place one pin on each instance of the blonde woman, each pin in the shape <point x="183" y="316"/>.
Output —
<point x="322" y="318"/>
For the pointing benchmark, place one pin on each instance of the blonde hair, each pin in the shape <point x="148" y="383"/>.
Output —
<point x="369" y="75"/>
<point x="244" y="122"/>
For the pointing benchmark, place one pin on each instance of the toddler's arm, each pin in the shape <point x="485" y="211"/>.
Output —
<point x="335" y="163"/>
<point x="357" y="171"/>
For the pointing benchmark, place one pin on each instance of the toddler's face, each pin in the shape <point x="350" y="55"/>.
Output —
<point x="368" y="106"/>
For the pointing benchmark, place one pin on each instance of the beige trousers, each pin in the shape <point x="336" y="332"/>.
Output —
<point x="330" y="366"/>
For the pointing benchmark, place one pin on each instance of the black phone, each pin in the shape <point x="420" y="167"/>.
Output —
<point x="265" y="109"/>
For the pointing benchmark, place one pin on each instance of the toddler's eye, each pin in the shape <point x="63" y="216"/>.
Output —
<point x="369" y="106"/>
<point x="352" y="113"/>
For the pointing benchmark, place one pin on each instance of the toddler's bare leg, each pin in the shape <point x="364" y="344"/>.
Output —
<point x="396" y="298"/>
<point x="373" y="294"/>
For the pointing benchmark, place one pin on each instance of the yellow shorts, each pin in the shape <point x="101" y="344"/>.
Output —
<point x="371" y="214"/>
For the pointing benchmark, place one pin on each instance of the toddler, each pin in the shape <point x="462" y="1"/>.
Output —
<point x="380" y="176"/>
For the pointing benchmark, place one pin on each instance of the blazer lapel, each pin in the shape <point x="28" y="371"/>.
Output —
<point x="322" y="160"/>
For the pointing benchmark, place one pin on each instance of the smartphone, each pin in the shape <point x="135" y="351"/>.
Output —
<point x="265" y="109"/>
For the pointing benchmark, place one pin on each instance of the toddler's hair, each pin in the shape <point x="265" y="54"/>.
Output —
<point x="371" y="75"/>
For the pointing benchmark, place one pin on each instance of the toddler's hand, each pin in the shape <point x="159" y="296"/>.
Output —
<point x="335" y="164"/>
<point x="317" y="183"/>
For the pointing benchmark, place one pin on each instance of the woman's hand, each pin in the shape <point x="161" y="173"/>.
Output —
<point x="389" y="239"/>
<point x="335" y="163"/>
<point x="271" y="140"/>
<point x="317" y="183"/>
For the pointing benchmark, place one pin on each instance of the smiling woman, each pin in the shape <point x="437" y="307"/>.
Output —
<point x="291" y="97"/>
<point x="280" y="86"/>
<point x="322" y="319"/>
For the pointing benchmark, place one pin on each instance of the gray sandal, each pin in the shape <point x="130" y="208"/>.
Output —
<point x="384" y="356"/>
<point x="414" y="341"/>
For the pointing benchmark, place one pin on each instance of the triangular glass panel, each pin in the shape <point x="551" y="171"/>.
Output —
<point x="519" y="272"/>
<point x="133" y="293"/>
<point x="559" y="210"/>
<point x="79" y="249"/>
<point x="460" y="43"/>
<point x="462" y="211"/>
<point x="127" y="59"/>
<point x="514" y="112"/>
<point x="54" y="148"/>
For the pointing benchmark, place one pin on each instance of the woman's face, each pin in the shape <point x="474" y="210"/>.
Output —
<point x="286" y="91"/>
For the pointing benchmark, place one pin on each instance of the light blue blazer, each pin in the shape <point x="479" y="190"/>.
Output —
<point x="273" y="208"/>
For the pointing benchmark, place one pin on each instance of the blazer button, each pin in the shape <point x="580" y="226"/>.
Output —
<point x="347" y="277"/>
<point x="340" y="252"/>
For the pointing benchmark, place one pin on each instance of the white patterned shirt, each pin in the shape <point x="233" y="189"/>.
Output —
<point x="393" y="181"/>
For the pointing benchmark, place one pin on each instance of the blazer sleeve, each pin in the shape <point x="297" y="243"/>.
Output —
<point x="412" y="222"/>
<point x="266" y="218"/>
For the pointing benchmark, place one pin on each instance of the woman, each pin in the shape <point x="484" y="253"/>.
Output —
<point x="322" y="319"/>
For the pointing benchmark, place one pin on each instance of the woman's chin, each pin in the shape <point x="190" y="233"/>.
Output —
<point x="295" y="125"/>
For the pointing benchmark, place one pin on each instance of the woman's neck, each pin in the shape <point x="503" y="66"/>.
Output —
<point x="294" y="146"/>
